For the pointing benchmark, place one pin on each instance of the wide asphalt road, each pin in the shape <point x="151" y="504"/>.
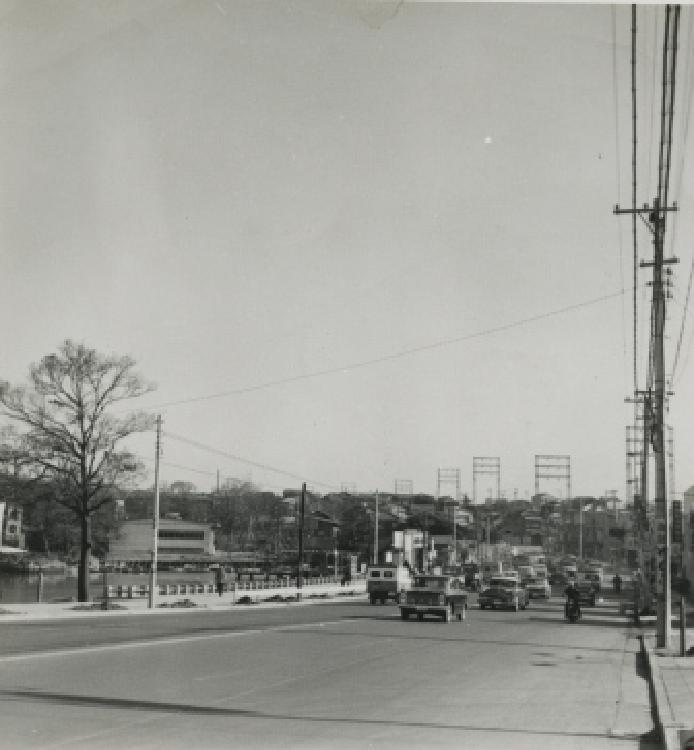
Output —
<point x="328" y="675"/>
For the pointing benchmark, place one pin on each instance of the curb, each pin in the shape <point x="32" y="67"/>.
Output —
<point x="65" y="611"/>
<point x="668" y="726"/>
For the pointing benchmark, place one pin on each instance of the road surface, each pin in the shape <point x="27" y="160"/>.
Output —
<point x="328" y="675"/>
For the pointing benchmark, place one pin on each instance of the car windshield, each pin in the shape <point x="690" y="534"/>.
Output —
<point x="503" y="582"/>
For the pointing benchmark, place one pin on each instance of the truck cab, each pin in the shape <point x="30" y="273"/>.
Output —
<point x="385" y="582"/>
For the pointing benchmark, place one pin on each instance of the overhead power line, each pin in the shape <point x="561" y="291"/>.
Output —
<point x="634" y="234"/>
<point x="393" y="356"/>
<point x="227" y="454"/>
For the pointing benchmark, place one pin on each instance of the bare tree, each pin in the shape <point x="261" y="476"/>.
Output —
<point x="68" y="436"/>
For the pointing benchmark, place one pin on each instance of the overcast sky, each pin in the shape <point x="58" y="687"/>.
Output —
<point x="351" y="243"/>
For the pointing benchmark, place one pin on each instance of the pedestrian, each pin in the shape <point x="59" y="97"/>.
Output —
<point x="617" y="583"/>
<point x="219" y="578"/>
<point x="637" y="596"/>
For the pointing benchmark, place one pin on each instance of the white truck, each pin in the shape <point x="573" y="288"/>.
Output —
<point x="385" y="582"/>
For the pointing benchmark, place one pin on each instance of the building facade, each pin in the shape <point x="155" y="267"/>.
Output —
<point x="178" y="542"/>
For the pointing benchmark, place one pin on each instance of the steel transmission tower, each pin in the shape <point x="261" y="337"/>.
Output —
<point x="550" y="466"/>
<point x="482" y="465"/>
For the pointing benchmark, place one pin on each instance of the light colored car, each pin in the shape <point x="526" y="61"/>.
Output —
<point x="538" y="588"/>
<point x="504" y="592"/>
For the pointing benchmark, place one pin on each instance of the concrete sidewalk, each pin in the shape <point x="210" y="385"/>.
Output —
<point x="672" y="678"/>
<point x="32" y="611"/>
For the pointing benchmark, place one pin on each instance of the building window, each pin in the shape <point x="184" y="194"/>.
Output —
<point x="189" y="535"/>
<point x="180" y="550"/>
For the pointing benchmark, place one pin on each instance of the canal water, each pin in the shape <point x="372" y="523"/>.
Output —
<point x="20" y="588"/>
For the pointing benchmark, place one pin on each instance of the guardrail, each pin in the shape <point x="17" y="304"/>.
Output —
<point x="141" y="591"/>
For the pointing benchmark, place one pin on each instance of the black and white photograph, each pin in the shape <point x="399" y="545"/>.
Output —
<point x="347" y="383"/>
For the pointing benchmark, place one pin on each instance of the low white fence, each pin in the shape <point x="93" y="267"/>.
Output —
<point x="253" y="590"/>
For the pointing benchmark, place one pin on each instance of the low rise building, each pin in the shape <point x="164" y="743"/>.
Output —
<point x="178" y="542"/>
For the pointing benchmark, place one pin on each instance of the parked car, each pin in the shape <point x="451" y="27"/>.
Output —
<point x="538" y="588"/>
<point x="504" y="591"/>
<point x="439" y="595"/>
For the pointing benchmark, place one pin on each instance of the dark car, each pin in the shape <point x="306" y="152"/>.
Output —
<point x="439" y="595"/>
<point x="504" y="591"/>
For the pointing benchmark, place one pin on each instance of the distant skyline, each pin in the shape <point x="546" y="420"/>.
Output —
<point x="352" y="243"/>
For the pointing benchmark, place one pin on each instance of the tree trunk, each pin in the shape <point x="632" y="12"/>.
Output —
<point x="85" y="559"/>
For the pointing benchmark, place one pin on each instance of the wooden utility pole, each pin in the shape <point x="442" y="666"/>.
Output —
<point x="155" y="521"/>
<point x="300" y="569"/>
<point x="376" y="533"/>
<point x="455" y="544"/>
<point x="654" y="426"/>
<point x="662" y="506"/>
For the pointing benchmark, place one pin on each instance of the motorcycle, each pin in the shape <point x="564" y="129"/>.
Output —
<point x="573" y="611"/>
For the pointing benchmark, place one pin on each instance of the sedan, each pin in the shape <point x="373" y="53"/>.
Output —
<point x="506" y="592"/>
<point x="538" y="588"/>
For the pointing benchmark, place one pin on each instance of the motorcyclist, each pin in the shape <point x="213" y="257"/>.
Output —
<point x="572" y="597"/>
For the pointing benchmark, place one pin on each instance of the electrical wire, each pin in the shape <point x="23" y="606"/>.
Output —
<point x="390" y="357"/>
<point x="265" y="467"/>
<point x="654" y="58"/>
<point x="634" y="223"/>
<point x="689" y="81"/>
<point x="618" y="166"/>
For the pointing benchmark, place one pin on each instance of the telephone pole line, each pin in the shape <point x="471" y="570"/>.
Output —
<point x="657" y="215"/>
<point x="155" y="521"/>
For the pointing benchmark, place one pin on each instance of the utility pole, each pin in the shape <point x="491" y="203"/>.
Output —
<point x="643" y="522"/>
<point x="455" y="555"/>
<point x="155" y="521"/>
<point x="376" y="533"/>
<point x="662" y="520"/>
<point x="300" y="568"/>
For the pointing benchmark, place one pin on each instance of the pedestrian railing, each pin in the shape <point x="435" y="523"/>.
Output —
<point x="165" y="590"/>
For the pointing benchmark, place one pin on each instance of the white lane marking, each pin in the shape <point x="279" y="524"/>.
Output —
<point x="165" y="641"/>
